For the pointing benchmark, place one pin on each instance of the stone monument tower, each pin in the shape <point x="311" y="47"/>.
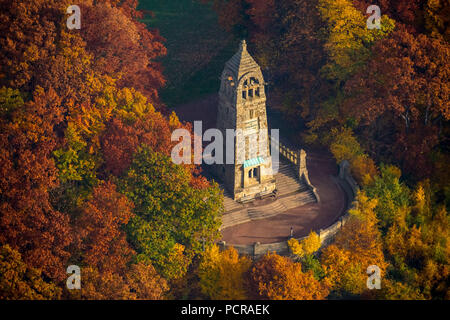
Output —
<point x="242" y="108"/>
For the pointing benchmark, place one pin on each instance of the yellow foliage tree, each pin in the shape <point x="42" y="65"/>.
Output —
<point x="19" y="281"/>
<point x="222" y="274"/>
<point x="357" y="246"/>
<point x="394" y="241"/>
<point x="348" y="37"/>
<point x="307" y="246"/>
<point x="342" y="274"/>
<point x="176" y="262"/>
<point x="344" y="145"/>
<point x="363" y="169"/>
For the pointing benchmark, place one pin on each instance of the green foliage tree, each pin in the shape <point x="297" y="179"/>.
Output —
<point x="391" y="194"/>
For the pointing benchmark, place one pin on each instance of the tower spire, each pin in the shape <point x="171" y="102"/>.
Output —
<point x="242" y="62"/>
<point x="243" y="45"/>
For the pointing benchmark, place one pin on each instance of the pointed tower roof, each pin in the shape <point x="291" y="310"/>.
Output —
<point x="242" y="62"/>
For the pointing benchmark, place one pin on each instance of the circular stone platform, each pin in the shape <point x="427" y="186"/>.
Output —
<point x="313" y="216"/>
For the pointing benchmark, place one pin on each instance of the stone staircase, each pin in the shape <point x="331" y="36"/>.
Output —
<point x="287" y="181"/>
<point x="291" y="193"/>
<point x="228" y="202"/>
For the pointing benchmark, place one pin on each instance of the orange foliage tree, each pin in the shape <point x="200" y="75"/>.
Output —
<point x="141" y="281"/>
<point x="102" y="243"/>
<point x="275" y="277"/>
<point x="28" y="221"/>
<point x="401" y="99"/>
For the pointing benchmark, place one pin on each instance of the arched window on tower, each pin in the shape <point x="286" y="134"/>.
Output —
<point x="251" y="88"/>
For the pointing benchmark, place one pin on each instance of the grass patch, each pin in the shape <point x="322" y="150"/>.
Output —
<point x="197" y="48"/>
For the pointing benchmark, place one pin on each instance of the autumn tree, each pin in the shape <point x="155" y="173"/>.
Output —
<point x="397" y="290"/>
<point x="436" y="18"/>
<point x="19" y="281"/>
<point x="136" y="123"/>
<point x="344" y="145"/>
<point x="347" y="46"/>
<point x="172" y="218"/>
<point x="305" y="247"/>
<point x="146" y="283"/>
<point x="127" y="54"/>
<point x="402" y="98"/>
<point x="141" y="281"/>
<point x="105" y="254"/>
<point x="409" y="13"/>
<point x="275" y="277"/>
<point x="392" y="194"/>
<point x="28" y="30"/>
<point x="28" y="221"/>
<point x="305" y="251"/>
<point x="222" y="274"/>
<point x="37" y="48"/>
<point x="416" y="243"/>
<point x="356" y="247"/>
<point x="103" y="243"/>
<point x="102" y="136"/>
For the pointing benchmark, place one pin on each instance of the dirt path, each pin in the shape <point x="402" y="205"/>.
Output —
<point x="322" y="169"/>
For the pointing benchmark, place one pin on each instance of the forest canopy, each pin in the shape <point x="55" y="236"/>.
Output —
<point x="87" y="179"/>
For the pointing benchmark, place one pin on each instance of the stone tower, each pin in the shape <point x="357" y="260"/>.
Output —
<point x="242" y="107"/>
